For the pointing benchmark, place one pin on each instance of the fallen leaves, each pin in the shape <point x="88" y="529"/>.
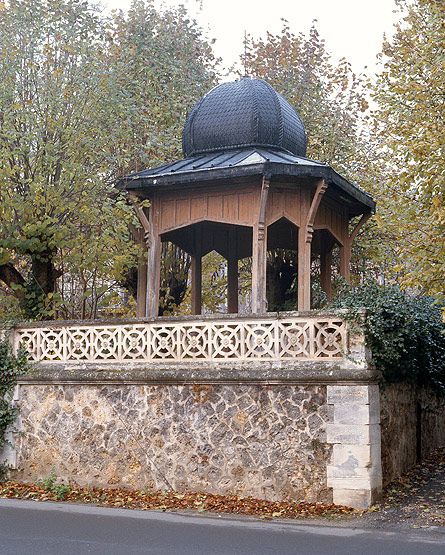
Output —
<point x="417" y="498"/>
<point x="174" y="501"/>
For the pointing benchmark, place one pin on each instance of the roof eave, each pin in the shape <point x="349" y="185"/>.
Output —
<point x="135" y="183"/>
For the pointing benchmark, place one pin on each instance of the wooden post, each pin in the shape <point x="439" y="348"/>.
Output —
<point x="196" y="284"/>
<point x="304" y="248"/>
<point x="232" y="285"/>
<point x="147" y="302"/>
<point x="153" y="240"/>
<point x="345" y="261"/>
<point x="326" y="270"/>
<point x="153" y="276"/>
<point x="259" y="246"/>
<point x="196" y="268"/>
<point x="304" y="270"/>
<point x="346" y="248"/>
<point x="141" y="292"/>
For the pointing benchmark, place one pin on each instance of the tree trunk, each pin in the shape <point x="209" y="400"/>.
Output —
<point x="13" y="279"/>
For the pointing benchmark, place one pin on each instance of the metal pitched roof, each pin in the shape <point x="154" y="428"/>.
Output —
<point x="230" y="164"/>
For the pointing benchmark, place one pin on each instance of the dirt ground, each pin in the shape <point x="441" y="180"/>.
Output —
<point x="417" y="500"/>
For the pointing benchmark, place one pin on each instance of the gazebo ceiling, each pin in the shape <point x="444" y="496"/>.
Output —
<point x="243" y="113"/>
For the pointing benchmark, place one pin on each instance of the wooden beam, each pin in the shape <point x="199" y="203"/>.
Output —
<point x="304" y="248"/>
<point x="365" y="217"/>
<point x="345" y="261"/>
<point x="153" y="277"/>
<point x="143" y="238"/>
<point x="140" y="213"/>
<point x="141" y="290"/>
<point x="196" y="268"/>
<point x="346" y="248"/>
<point x="259" y="246"/>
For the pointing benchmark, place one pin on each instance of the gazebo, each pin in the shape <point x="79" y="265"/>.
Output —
<point x="271" y="405"/>
<point x="245" y="187"/>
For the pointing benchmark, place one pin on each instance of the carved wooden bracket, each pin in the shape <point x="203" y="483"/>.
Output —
<point x="365" y="217"/>
<point x="263" y="204"/>
<point x="319" y="192"/>
<point x="144" y="221"/>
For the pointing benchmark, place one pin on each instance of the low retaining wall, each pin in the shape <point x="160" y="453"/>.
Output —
<point x="257" y="429"/>
<point x="413" y="425"/>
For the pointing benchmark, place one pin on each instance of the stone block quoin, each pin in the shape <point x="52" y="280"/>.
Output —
<point x="355" y="472"/>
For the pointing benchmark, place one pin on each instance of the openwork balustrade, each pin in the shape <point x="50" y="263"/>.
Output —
<point x="266" y="338"/>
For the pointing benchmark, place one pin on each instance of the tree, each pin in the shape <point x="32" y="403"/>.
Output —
<point x="329" y="97"/>
<point x="410" y="116"/>
<point x="332" y="102"/>
<point x="162" y="65"/>
<point x="57" y="205"/>
<point x="84" y="100"/>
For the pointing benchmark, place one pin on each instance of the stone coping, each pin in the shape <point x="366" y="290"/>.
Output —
<point x="267" y="372"/>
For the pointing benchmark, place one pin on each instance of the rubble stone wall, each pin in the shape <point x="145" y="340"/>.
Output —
<point x="406" y="413"/>
<point x="267" y="441"/>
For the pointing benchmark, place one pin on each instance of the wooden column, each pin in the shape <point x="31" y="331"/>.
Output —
<point x="345" y="261"/>
<point x="304" y="248"/>
<point x="153" y="240"/>
<point x="326" y="269"/>
<point x="141" y="292"/>
<point x="232" y="285"/>
<point x="149" y="265"/>
<point x="304" y="270"/>
<point x="196" y="284"/>
<point x="153" y="276"/>
<point x="259" y="246"/>
<point x="196" y="268"/>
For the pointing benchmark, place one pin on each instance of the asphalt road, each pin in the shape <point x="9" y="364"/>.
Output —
<point x="28" y="527"/>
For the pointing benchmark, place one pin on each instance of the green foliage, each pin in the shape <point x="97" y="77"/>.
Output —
<point x="51" y="485"/>
<point x="405" y="333"/>
<point x="409" y="120"/>
<point x="332" y="102"/>
<point x="329" y="97"/>
<point x="85" y="99"/>
<point x="11" y="367"/>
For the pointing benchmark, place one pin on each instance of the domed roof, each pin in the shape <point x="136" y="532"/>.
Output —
<point x="243" y="113"/>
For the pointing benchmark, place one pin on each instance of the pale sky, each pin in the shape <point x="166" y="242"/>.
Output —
<point x="351" y="28"/>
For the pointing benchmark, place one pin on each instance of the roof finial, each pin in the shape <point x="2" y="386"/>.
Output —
<point x="245" y="53"/>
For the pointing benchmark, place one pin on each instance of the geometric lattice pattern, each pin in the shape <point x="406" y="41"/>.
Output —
<point x="262" y="338"/>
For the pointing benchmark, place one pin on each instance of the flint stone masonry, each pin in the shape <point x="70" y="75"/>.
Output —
<point x="314" y="430"/>
<point x="258" y="440"/>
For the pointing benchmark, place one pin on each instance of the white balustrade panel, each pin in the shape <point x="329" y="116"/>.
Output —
<point x="273" y="339"/>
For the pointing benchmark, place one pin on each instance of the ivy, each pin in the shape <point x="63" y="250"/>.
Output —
<point x="406" y="333"/>
<point x="11" y="367"/>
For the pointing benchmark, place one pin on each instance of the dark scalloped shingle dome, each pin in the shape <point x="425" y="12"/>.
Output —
<point x="244" y="113"/>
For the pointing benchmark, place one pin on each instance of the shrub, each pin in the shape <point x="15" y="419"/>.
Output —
<point x="406" y="333"/>
<point x="51" y="485"/>
<point x="10" y="368"/>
